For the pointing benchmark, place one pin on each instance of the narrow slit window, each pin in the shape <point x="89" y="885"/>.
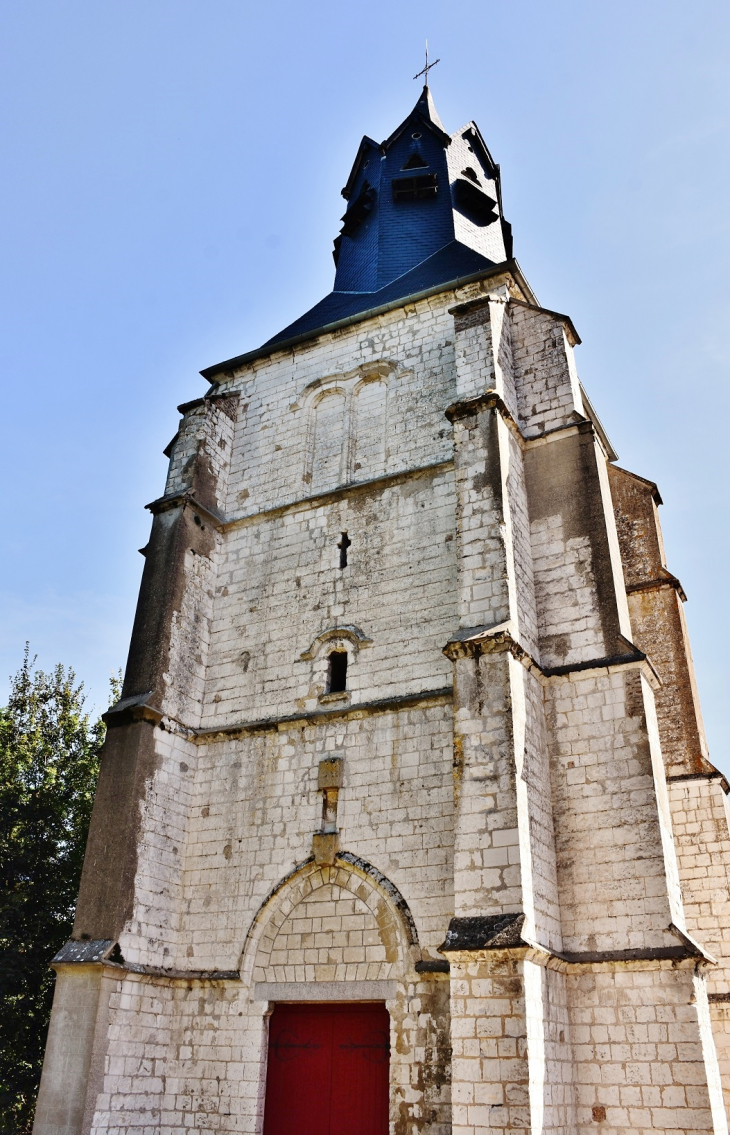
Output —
<point x="343" y="545"/>
<point x="337" y="672"/>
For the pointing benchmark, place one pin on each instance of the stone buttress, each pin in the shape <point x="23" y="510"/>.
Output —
<point x="568" y="907"/>
<point x="409" y="717"/>
<point x="697" y="791"/>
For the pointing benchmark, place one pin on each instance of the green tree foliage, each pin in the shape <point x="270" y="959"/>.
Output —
<point x="49" y="761"/>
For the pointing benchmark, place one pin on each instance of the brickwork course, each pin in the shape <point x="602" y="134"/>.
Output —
<point x="410" y="717"/>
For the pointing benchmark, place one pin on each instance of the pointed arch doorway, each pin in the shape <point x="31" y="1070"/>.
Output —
<point x="327" y="1071"/>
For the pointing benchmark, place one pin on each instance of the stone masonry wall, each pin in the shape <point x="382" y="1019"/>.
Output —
<point x="192" y="1055"/>
<point x="281" y="586"/>
<point x="638" y="1053"/>
<point x="257" y="806"/>
<point x="612" y="872"/>
<point x="701" y="816"/>
<point x="151" y="935"/>
<point x="496" y="749"/>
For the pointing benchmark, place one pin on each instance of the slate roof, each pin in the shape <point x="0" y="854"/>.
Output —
<point x="424" y="209"/>
<point x="449" y="263"/>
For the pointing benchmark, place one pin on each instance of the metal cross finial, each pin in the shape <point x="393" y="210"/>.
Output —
<point x="427" y="68"/>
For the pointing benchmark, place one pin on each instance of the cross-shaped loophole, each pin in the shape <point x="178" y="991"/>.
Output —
<point x="343" y="545"/>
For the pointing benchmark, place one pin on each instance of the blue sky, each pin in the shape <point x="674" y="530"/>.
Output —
<point x="170" y="192"/>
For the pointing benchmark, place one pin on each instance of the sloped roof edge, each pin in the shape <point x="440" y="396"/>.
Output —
<point x="366" y="146"/>
<point x="510" y="266"/>
<point x="472" y="128"/>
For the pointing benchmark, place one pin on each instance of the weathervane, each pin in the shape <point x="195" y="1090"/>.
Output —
<point x="427" y="68"/>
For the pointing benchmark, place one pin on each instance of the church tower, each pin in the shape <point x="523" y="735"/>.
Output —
<point x="406" y="823"/>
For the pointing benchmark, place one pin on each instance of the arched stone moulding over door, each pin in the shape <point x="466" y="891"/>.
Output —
<point x="332" y="933"/>
<point x="374" y="909"/>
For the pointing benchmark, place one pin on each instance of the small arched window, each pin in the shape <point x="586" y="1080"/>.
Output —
<point x="337" y="672"/>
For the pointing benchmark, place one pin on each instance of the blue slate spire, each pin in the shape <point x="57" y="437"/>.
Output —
<point x="423" y="208"/>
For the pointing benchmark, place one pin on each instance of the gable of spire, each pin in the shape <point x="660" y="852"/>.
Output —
<point x="424" y="116"/>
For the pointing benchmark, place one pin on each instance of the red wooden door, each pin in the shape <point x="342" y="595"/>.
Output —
<point x="328" y="1070"/>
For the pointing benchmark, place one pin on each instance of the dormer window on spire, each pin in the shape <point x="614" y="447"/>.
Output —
<point x="358" y="209"/>
<point x="416" y="161"/>
<point x="474" y="203"/>
<point x="415" y="188"/>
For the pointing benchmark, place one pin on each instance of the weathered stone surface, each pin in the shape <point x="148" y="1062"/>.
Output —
<point x="512" y="771"/>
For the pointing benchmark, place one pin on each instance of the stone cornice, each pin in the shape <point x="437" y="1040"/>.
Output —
<point x="351" y="487"/>
<point x="160" y="972"/>
<point x="488" y="400"/>
<point x="179" y="500"/>
<point x="492" y="400"/>
<point x="210" y="397"/>
<point x="224" y="523"/>
<point x="473" y="642"/>
<point x="137" y="707"/>
<point x="711" y="773"/>
<point x="483" y="301"/>
<point x="475" y="938"/>
<point x="380" y="705"/>
<point x="667" y="580"/>
<point x="105" y="953"/>
<point x="484" y="932"/>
